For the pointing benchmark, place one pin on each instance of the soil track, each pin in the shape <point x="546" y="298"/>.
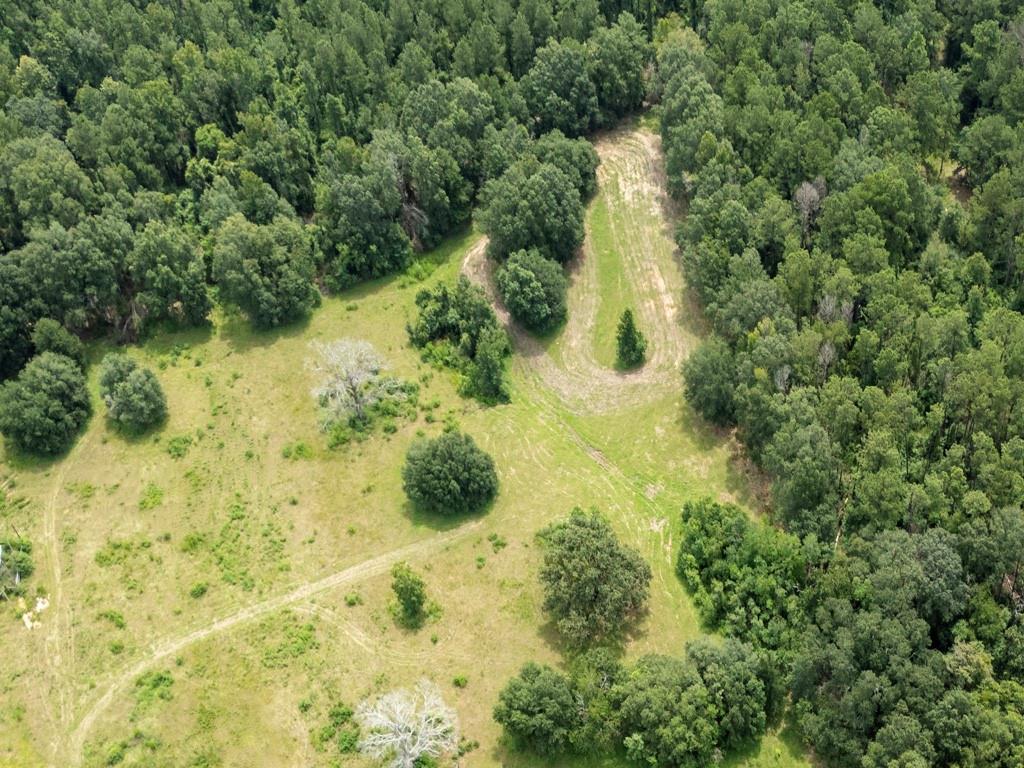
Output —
<point x="300" y="595"/>
<point x="630" y="177"/>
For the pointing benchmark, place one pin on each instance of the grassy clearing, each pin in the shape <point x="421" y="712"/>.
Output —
<point x="237" y="499"/>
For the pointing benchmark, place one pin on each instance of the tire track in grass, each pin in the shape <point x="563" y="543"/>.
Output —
<point x="160" y="650"/>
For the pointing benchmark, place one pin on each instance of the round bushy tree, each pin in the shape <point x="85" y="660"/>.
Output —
<point x="133" y="395"/>
<point x="51" y="336"/>
<point x="538" y="709"/>
<point x="533" y="288"/>
<point x="44" y="408"/>
<point x="592" y="584"/>
<point x="532" y="205"/>
<point x="267" y="271"/>
<point x="449" y="475"/>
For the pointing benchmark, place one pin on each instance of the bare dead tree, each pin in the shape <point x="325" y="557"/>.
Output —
<point x="350" y="379"/>
<point x="404" y="725"/>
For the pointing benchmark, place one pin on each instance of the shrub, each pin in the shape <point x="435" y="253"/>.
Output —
<point x="51" y="336"/>
<point x="538" y="709"/>
<point x="710" y="377"/>
<point x="592" y="584"/>
<point x="15" y="566"/>
<point x="133" y="395"/>
<point x="533" y="288"/>
<point x="44" y="408"/>
<point x="411" y="592"/>
<point x="449" y="475"/>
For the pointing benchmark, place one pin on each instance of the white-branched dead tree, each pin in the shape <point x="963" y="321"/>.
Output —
<point x="350" y="379"/>
<point x="404" y="725"/>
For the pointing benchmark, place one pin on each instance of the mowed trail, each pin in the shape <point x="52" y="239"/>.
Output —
<point x="630" y="180"/>
<point x="300" y="596"/>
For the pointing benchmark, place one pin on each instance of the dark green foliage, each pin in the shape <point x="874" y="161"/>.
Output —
<point x="538" y="710"/>
<point x="667" y="715"/>
<point x="746" y="579"/>
<point x="558" y="90"/>
<point x="533" y="288"/>
<point x="662" y="710"/>
<point x="631" y="346"/>
<point x="449" y="475"/>
<point x="411" y="593"/>
<point x="168" y="272"/>
<point x="576" y="158"/>
<point x="533" y="205"/>
<point x="617" y="58"/>
<point x="710" y="377"/>
<point x="267" y="271"/>
<point x="593" y="585"/>
<point x="133" y="395"/>
<point x="44" y="408"/>
<point x="50" y="336"/>
<point x="459" y="319"/>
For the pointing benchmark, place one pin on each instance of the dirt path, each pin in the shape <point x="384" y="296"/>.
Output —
<point x="300" y="595"/>
<point x="630" y="177"/>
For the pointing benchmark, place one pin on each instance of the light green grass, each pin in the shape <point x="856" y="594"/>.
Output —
<point x="238" y="515"/>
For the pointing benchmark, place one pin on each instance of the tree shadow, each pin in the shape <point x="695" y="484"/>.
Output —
<point x="26" y="461"/>
<point x="439" y="521"/>
<point x="242" y="336"/>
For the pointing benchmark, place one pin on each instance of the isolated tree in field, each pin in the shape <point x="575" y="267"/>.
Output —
<point x="533" y="288"/>
<point x="16" y="565"/>
<point x="411" y="592"/>
<point x="593" y="585"/>
<point x="350" y="380"/>
<point x="487" y="372"/>
<point x="51" y="336"/>
<point x="710" y="377"/>
<point x="267" y="271"/>
<point x="449" y="475"/>
<point x="46" y="405"/>
<point x="632" y="346"/>
<point x="405" y="728"/>
<point x="133" y="395"/>
<point x="532" y="205"/>
<point x="538" y="709"/>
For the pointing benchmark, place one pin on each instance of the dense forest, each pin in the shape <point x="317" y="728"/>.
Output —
<point x="853" y="180"/>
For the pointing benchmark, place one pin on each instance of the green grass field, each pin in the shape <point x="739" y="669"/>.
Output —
<point x="217" y="587"/>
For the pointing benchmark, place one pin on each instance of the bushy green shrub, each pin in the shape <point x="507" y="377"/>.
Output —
<point x="533" y="288"/>
<point x="46" y="405"/>
<point x="449" y="475"/>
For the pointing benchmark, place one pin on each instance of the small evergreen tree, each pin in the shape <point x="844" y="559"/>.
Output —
<point x="632" y="346"/>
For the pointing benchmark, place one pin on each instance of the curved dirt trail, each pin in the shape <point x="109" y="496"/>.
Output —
<point x="301" y="594"/>
<point x="631" y="178"/>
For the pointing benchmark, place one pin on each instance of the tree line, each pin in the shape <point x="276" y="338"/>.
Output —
<point x="151" y="154"/>
<point x="853" y="231"/>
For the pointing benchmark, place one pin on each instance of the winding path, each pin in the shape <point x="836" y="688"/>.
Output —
<point x="375" y="566"/>
<point x="631" y="176"/>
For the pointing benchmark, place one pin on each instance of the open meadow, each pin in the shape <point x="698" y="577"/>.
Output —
<point x="216" y="588"/>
